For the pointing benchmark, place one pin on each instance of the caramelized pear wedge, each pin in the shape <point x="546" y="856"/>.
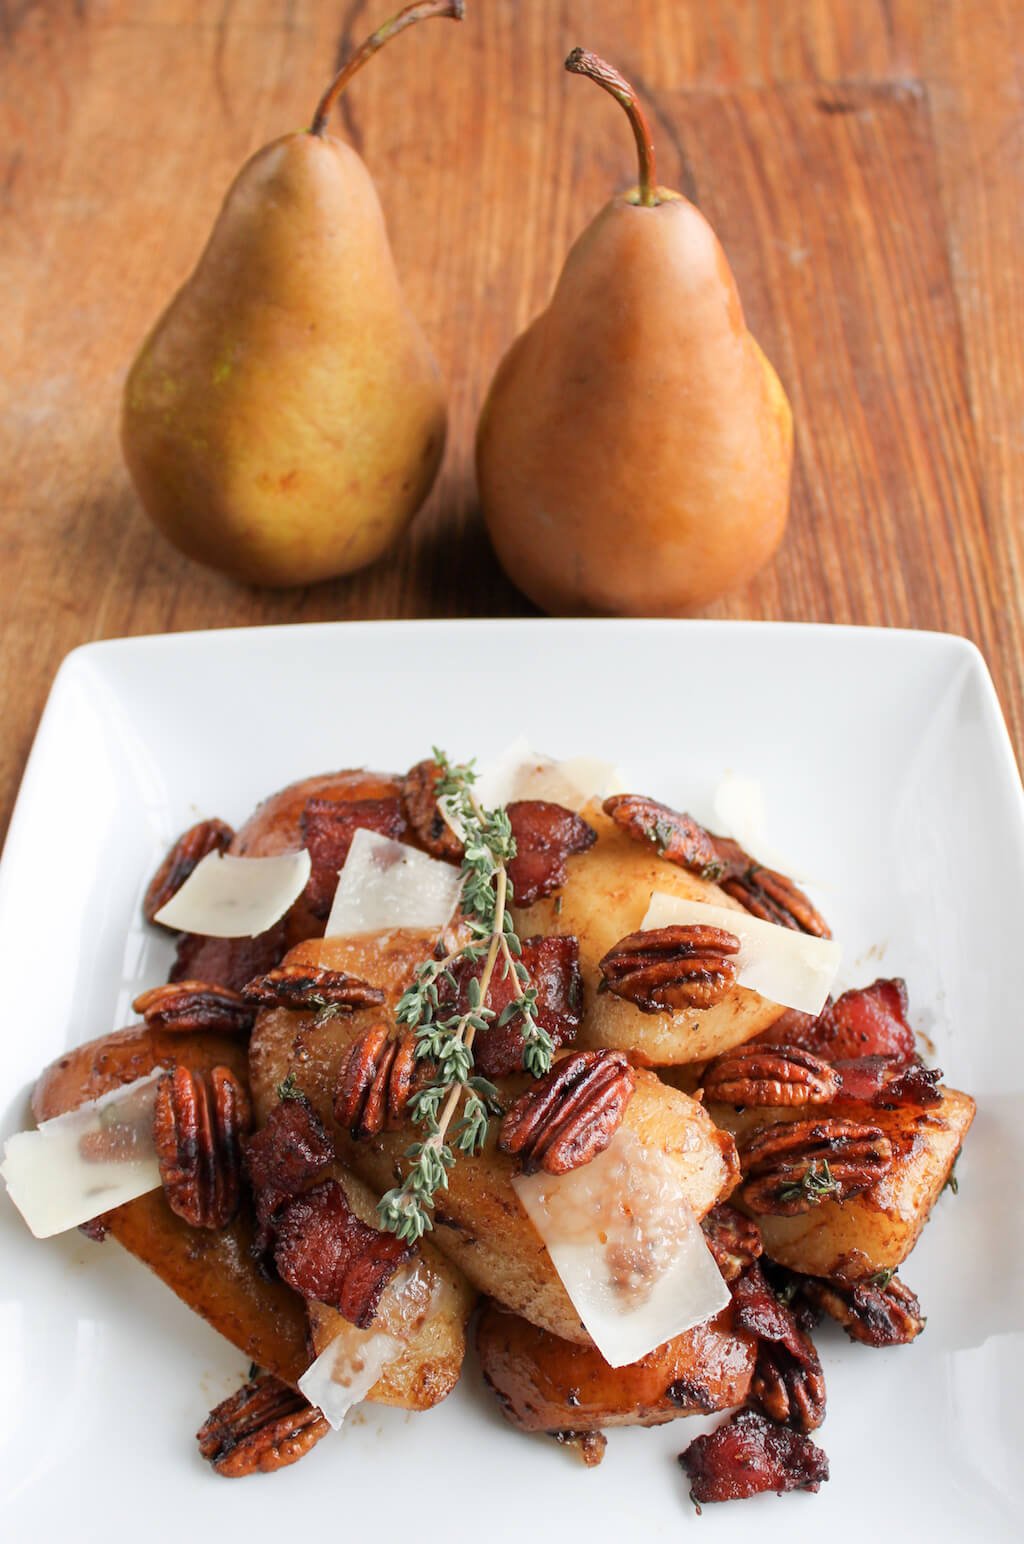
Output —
<point x="550" y="1385"/>
<point x="479" y="1223"/>
<point x="604" y="898"/>
<point x="875" y="1230"/>
<point x="215" y="1273"/>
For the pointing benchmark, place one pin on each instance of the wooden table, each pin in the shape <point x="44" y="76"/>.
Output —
<point x="861" y="162"/>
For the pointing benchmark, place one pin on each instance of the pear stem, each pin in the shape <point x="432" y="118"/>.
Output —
<point x="422" y="10"/>
<point x="580" y="62"/>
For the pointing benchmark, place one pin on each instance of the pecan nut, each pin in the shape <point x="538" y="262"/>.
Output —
<point x="264" y="1426"/>
<point x="419" y="801"/>
<point x="667" y="968"/>
<point x="191" y="847"/>
<point x="198" y="1128"/>
<point x="681" y="840"/>
<point x="678" y="837"/>
<point x="312" y="986"/>
<point x="771" y="1075"/>
<point x="571" y="1114"/>
<point x="190" y="1007"/>
<point x="878" y="1311"/>
<point x="734" y="1240"/>
<point x="794" y="1165"/>
<point x="375" y="1082"/>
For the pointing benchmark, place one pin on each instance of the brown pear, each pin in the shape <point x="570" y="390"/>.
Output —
<point x="285" y="419"/>
<point x="635" y="448"/>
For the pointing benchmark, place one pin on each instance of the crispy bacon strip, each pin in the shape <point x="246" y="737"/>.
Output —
<point x="328" y="826"/>
<point x="867" y="1021"/>
<point x="881" y="1081"/>
<point x="228" y="962"/>
<point x="788" y="1382"/>
<point x="326" y="1252"/>
<point x="749" y="1455"/>
<point x="546" y="836"/>
<point x="553" y="964"/>
<point x="282" y="1159"/>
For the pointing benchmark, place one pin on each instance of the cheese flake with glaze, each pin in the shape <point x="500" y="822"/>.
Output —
<point x="385" y="884"/>
<point x="785" y="966"/>
<point x="228" y="897"/>
<point x="627" y="1247"/>
<point x="81" y="1164"/>
<point x="354" y="1359"/>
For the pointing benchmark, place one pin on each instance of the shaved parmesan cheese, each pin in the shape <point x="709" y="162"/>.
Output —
<point x="385" y="884"/>
<point x="226" y="897"/>
<point x="348" y="1367"/>
<point x="785" y="966"/>
<point x="739" y="813"/>
<point x="78" y="1165"/>
<point x="520" y="772"/>
<point x="627" y="1247"/>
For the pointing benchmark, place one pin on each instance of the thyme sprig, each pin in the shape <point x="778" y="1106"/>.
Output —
<point x="815" y="1183"/>
<point x="446" y="1040"/>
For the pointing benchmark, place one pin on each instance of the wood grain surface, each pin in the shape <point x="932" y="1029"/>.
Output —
<point x="861" y="163"/>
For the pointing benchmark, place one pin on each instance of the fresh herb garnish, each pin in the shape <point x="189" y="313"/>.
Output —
<point x="881" y="1279"/>
<point x="952" y="1183"/>
<point x="816" y="1183"/>
<point x="447" y="1040"/>
<point x="289" y="1089"/>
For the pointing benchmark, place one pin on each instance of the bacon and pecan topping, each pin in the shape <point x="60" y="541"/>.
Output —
<point x="773" y="1075"/>
<point x="419" y="801"/>
<point x="312" y="986"/>
<point x="189" y="850"/>
<point x="283" y="1159"/>
<point x="546" y="836"/>
<point x="191" y="1007"/>
<point x="198" y="1128"/>
<point x="792" y="1166"/>
<point x="788" y="1382"/>
<point x="734" y="1240"/>
<point x="667" y="968"/>
<point x="749" y="1455"/>
<point x="376" y="1079"/>
<point x="878" y="1311"/>
<point x="228" y="962"/>
<point x="867" y="1021"/>
<point x="681" y="840"/>
<point x="554" y="971"/>
<point x="571" y="1114"/>
<point x="264" y="1426"/>
<point x="882" y="1082"/>
<point x="328" y="826"/>
<point x="326" y="1252"/>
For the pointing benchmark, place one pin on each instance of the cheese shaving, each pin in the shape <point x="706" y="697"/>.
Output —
<point x="781" y="964"/>
<point x="354" y="1359"/>
<point x="627" y="1247"/>
<point x="79" y="1165"/>
<point x="520" y="772"/>
<point x="385" y="884"/>
<point x="228" y="897"/>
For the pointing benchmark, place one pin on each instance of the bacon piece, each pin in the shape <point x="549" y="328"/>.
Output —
<point x="553" y="965"/>
<point x="328" y="826"/>
<point x="882" y="1081"/>
<point x="749" y="1455"/>
<point x="287" y="1154"/>
<point x="867" y="1021"/>
<point x="326" y="1252"/>
<point x="788" y="1380"/>
<point x="228" y="962"/>
<point x="546" y="836"/>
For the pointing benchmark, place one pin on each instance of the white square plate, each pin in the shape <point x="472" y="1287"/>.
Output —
<point x="889" y="786"/>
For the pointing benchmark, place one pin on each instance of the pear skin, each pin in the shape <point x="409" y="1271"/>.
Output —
<point x="285" y="419"/>
<point x="635" y="448"/>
